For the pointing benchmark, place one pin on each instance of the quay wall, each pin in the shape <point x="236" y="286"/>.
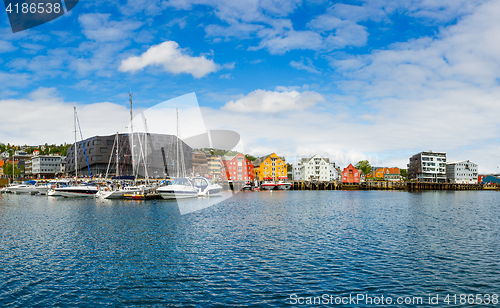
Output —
<point x="4" y="182"/>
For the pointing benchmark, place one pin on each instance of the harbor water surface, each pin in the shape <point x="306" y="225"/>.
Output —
<point x="254" y="249"/>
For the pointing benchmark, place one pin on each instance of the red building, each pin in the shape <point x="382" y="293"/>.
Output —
<point x="236" y="168"/>
<point x="351" y="175"/>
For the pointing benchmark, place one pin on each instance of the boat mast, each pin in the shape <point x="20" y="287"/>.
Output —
<point x="132" y="134"/>
<point x="145" y="155"/>
<point x="117" y="167"/>
<point x="177" y="115"/>
<point x="76" y="152"/>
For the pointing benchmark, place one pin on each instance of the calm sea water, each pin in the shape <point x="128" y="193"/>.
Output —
<point x="254" y="249"/>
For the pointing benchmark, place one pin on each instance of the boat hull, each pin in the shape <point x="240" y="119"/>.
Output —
<point x="210" y="191"/>
<point x="284" y="186"/>
<point x="43" y="190"/>
<point x="169" y="195"/>
<point x="72" y="192"/>
<point x="268" y="186"/>
<point x="118" y="194"/>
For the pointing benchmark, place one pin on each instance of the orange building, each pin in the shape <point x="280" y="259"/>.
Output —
<point x="270" y="166"/>
<point x="351" y="175"/>
<point x="387" y="174"/>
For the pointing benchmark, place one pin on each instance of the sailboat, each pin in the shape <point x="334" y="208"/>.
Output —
<point x="84" y="190"/>
<point x="120" y="193"/>
<point x="179" y="187"/>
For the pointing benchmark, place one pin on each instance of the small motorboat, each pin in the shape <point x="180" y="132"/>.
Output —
<point x="86" y="190"/>
<point x="206" y="187"/>
<point x="178" y="188"/>
<point x="268" y="184"/>
<point x="283" y="184"/>
<point x="247" y="187"/>
<point x="27" y="187"/>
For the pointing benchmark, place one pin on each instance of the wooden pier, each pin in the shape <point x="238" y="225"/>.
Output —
<point x="372" y="185"/>
<point x="383" y="185"/>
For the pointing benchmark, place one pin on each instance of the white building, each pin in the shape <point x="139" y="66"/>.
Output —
<point x="461" y="172"/>
<point x="334" y="172"/>
<point x="316" y="168"/>
<point x="5" y="154"/>
<point x="45" y="165"/>
<point x="297" y="170"/>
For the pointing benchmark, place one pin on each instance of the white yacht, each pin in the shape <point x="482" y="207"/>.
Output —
<point x="107" y="193"/>
<point x="86" y="190"/>
<point x="27" y="187"/>
<point x="206" y="187"/>
<point x="178" y="188"/>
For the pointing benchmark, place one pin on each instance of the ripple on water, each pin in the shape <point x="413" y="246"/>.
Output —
<point x="254" y="249"/>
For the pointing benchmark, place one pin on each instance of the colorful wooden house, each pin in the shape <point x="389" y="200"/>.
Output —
<point x="351" y="175"/>
<point x="270" y="166"/>
<point x="237" y="168"/>
<point x="387" y="174"/>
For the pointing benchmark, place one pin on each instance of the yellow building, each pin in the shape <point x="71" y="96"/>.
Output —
<point x="270" y="166"/>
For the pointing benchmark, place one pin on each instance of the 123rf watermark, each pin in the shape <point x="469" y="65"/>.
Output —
<point x="381" y="300"/>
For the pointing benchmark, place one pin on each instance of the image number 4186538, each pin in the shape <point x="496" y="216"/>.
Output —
<point x="26" y="14"/>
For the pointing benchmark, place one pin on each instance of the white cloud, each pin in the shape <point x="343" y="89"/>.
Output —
<point x="43" y="117"/>
<point x="262" y="101"/>
<point x="6" y="46"/>
<point x="14" y="80"/>
<point x="171" y="57"/>
<point x="308" y="66"/>
<point x="290" y="40"/>
<point x="99" y="28"/>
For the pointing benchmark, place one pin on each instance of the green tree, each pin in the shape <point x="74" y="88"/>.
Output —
<point x="403" y="173"/>
<point x="7" y="169"/>
<point x="364" y="166"/>
<point x="250" y="157"/>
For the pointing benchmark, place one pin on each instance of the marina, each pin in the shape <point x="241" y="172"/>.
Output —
<point x="254" y="249"/>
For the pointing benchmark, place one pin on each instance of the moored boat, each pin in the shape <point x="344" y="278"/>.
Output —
<point x="268" y="184"/>
<point x="120" y="193"/>
<point x="87" y="190"/>
<point x="27" y="187"/>
<point x="247" y="187"/>
<point x="178" y="188"/>
<point x="283" y="184"/>
<point x="206" y="187"/>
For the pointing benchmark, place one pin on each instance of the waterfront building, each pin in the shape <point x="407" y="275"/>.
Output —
<point x="214" y="166"/>
<point x="237" y="168"/>
<point x="428" y="166"/>
<point x="5" y="154"/>
<point x="63" y="163"/>
<point x="334" y="172"/>
<point x="387" y="174"/>
<point x="297" y="170"/>
<point x="316" y="168"/>
<point x="1" y="167"/>
<point x="461" y="172"/>
<point x="47" y="166"/>
<point x="200" y="164"/>
<point x="351" y="175"/>
<point x="155" y="153"/>
<point x="270" y="166"/>
<point x="28" y="167"/>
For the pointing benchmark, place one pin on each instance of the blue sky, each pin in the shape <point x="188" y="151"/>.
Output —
<point x="351" y="80"/>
